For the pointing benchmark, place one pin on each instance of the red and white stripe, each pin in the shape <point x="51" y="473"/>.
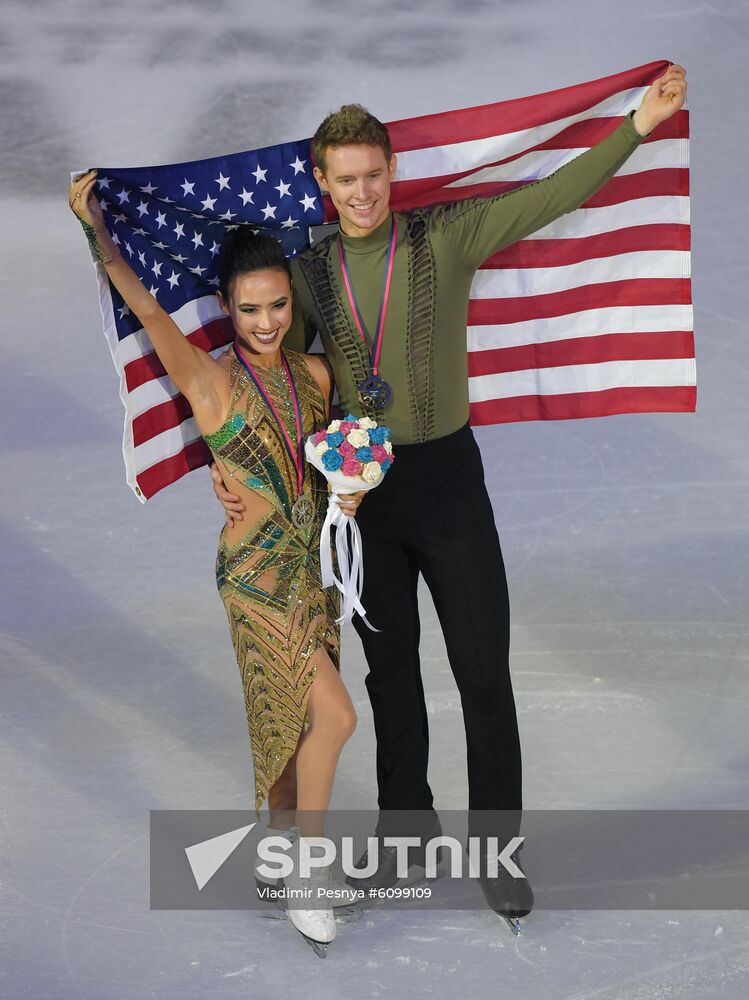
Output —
<point x="587" y="317"/>
<point x="161" y="441"/>
<point x="591" y="315"/>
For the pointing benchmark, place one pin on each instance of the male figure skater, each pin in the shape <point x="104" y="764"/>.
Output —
<point x="388" y="294"/>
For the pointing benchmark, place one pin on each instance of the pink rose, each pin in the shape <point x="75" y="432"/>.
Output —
<point x="378" y="453"/>
<point x="346" y="449"/>
<point x="319" y="436"/>
<point x="351" y="467"/>
<point x="346" y="426"/>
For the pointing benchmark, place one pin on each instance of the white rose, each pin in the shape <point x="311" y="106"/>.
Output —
<point x="388" y="447"/>
<point x="371" y="472"/>
<point x="322" y="447"/>
<point x="358" y="438"/>
<point x="335" y="425"/>
<point x="367" y="423"/>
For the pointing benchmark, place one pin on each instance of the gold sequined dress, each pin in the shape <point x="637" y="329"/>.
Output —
<point x="267" y="568"/>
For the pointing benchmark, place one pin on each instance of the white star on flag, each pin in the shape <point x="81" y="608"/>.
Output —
<point x="259" y="174"/>
<point x="156" y="268"/>
<point x="283" y="189"/>
<point x="223" y="182"/>
<point x="173" y="279"/>
<point x="298" y="166"/>
<point x="123" y="196"/>
<point x="289" y="223"/>
<point x="160" y="219"/>
<point x="197" y="240"/>
<point x="188" y="187"/>
<point x="142" y="210"/>
<point x="208" y="203"/>
<point x="269" y="212"/>
<point x="148" y="189"/>
<point x="245" y="196"/>
<point x="308" y="202"/>
<point x="179" y="230"/>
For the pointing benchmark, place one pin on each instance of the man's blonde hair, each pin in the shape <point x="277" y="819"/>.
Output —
<point x="351" y="125"/>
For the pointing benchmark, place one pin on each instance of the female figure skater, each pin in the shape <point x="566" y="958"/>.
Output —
<point x="254" y="406"/>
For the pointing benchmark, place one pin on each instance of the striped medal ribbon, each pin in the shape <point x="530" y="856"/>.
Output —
<point x="374" y="391"/>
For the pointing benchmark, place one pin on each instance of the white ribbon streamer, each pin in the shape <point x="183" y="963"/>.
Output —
<point x="350" y="560"/>
<point x="347" y="539"/>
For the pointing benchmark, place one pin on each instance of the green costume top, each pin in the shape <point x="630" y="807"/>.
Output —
<point x="424" y="353"/>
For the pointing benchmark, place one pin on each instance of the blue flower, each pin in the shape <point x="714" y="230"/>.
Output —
<point x="387" y="433"/>
<point x="364" y="454"/>
<point x="334" y="439"/>
<point x="332" y="460"/>
<point x="377" y="435"/>
<point x="386" y="464"/>
<point x="351" y="419"/>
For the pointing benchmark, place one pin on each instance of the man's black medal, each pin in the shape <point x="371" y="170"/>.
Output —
<point x="374" y="392"/>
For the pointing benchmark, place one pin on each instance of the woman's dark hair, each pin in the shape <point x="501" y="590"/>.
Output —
<point x="243" y="251"/>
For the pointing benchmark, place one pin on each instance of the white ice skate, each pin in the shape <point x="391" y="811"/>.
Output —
<point x="316" y="925"/>
<point x="343" y="902"/>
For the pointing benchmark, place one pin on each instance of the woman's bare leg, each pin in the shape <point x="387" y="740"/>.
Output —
<point x="282" y="797"/>
<point x="332" y="720"/>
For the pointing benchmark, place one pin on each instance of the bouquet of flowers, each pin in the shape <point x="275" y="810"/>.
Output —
<point x="353" y="454"/>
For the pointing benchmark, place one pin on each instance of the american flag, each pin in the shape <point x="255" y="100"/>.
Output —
<point x="587" y="317"/>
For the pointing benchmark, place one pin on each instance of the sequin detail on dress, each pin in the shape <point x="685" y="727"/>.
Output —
<point x="267" y="569"/>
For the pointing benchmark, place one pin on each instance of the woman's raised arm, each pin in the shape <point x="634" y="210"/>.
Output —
<point x="193" y="371"/>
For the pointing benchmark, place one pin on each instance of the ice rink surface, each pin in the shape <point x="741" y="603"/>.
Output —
<point x="624" y="538"/>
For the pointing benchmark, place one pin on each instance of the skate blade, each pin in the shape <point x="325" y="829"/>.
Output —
<point x="320" y="948"/>
<point x="513" y="923"/>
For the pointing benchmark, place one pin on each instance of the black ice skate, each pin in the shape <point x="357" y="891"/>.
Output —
<point x="510" y="898"/>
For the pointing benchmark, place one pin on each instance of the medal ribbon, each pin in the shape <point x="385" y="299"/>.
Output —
<point x="295" y="453"/>
<point x="374" y="352"/>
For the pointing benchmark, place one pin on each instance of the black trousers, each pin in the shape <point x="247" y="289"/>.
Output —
<point x="432" y="515"/>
